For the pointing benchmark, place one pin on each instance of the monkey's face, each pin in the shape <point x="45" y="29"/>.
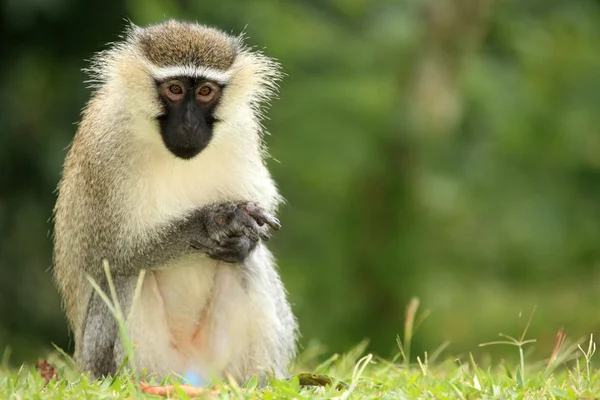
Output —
<point x="188" y="89"/>
<point x="188" y="118"/>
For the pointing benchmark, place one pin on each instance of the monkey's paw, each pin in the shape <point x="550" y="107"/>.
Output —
<point x="230" y="231"/>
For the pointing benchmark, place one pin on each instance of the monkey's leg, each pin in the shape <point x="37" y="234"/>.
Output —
<point x="101" y="340"/>
<point x="99" y="335"/>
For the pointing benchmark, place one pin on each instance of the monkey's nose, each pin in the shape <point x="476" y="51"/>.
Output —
<point x="190" y="125"/>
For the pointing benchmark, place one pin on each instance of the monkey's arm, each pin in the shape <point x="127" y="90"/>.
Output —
<point x="225" y="231"/>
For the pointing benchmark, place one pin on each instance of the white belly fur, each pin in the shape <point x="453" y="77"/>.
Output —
<point x="192" y="316"/>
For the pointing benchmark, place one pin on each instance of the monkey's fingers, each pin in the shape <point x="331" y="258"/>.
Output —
<point x="199" y="246"/>
<point x="261" y="216"/>
<point x="272" y="221"/>
<point x="246" y="224"/>
<point x="264" y="235"/>
<point x="249" y="232"/>
<point x="252" y="231"/>
<point x="255" y="230"/>
<point x="230" y="250"/>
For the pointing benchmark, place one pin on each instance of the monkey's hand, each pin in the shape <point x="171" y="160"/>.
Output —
<point x="230" y="231"/>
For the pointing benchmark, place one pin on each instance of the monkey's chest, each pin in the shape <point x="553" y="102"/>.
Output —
<point x="200" y="306"/>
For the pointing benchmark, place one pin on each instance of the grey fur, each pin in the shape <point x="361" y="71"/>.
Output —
<point x="102" y="349"/>
<point x="99" y="337"/>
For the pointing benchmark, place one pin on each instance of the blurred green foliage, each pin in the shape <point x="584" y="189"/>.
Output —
<point x="445" y="149"/>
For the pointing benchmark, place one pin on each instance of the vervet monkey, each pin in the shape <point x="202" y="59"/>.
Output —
<point x="166" y="173"/>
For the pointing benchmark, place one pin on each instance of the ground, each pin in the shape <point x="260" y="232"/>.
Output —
<point x="568" y="373"/>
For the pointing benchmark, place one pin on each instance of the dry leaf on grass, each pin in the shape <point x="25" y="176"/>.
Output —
<point x="47" y="370"/>
<point x="191" y="391"/>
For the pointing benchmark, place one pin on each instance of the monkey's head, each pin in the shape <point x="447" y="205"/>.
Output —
<point x="186" y="85"/>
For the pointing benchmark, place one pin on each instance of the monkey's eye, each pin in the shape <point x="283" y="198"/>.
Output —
<point x="207" y="92"/>
<point x="175" y="89"/>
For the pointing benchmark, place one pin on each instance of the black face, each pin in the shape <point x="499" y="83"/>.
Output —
<point x="187" y="123"/>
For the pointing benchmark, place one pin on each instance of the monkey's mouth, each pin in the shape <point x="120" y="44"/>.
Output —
<point x="187" y="144"/>
<point x="186" y="152"/>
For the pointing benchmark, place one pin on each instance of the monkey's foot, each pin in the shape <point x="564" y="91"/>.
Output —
<point x="230" y="231"/>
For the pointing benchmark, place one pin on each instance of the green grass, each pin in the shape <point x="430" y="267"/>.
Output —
<point x="368" y="378"/>
<point x="567" y="373"/>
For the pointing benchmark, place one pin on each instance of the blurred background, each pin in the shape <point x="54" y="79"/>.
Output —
<point x="443" y="149"/>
